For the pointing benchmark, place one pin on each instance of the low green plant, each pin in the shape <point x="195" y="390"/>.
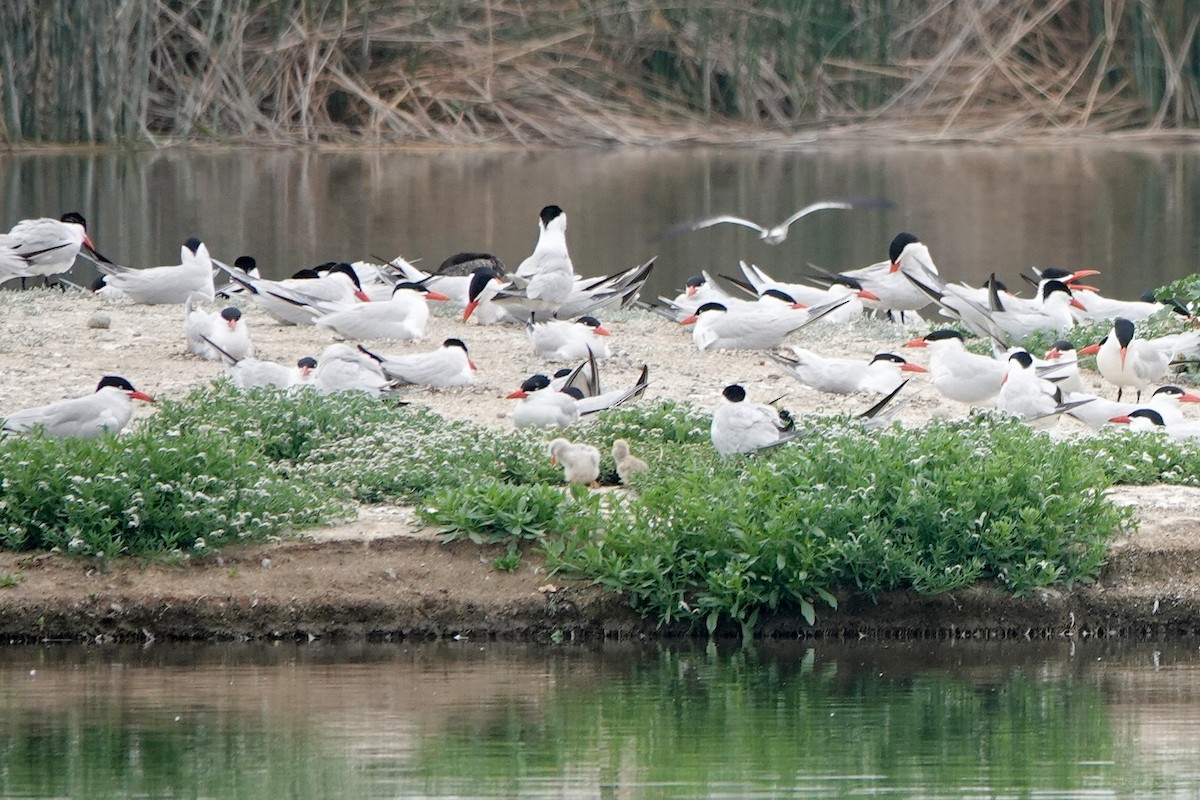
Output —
<point x="491" y="511"/>
<point x="9" y="580"/>
<point x="710" y="539"/>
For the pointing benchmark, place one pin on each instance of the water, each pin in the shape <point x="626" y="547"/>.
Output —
<point x="1129" y="211"/>
<point x="794" y="720"/>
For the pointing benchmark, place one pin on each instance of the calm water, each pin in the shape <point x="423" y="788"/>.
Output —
<point x="1128" y="211"/>
<point x="931" y="720"/>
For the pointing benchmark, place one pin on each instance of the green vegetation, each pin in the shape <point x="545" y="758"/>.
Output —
<point x="702" y="540"/>
<point x="590" y="71"/>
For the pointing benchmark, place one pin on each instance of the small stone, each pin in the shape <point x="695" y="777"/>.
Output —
<point x="390" y="574"/>
<point x="99" y="319"/>
<point x="266" y="563"/>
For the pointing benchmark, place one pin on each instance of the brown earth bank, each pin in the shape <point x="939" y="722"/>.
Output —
<point x="363" y="581"/>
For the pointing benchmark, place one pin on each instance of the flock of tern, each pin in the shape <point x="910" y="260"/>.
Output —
<point x="559" y="309"/>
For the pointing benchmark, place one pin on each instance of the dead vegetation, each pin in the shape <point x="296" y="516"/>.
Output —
<point x="571" y="72"/>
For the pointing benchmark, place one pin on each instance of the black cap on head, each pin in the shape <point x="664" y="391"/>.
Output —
<point x="535" y="383"/>
<point x="734" y="393"/>
<point x="696" y="280"/>
<point x="306" y="274"/>
<point x="1063" y="346"/>
<point x="1173" y="391"/>
<point x="192" y="244"/>
<point x="564" y="372"/>
<point x="1022" y="358"/>
<point x="591" y="322"/>
<point x="115" y="381"/>
<point x="307" y="361"/>
<point x="943" y="334"/>
<point x="1053" y="274"/>
<point x="412" y="287"/>
<point x="1148" y="413"/>
<point x="479" y="279"/>
<point x="231" y="312"/>
<point x="1052" y="286"/>
<point x="455" y="343"/>
<point x="901" y="241"/>
<point x="711" y="307"/>
<point x="348" y="270"/>
<point x="1124" y="330"/>
<point x="779" y="294"/>
<point x="892" y="357"/>
<point x="245" y="263"/>
<point x="548" y="213"/>
<point x="75" y="217"/>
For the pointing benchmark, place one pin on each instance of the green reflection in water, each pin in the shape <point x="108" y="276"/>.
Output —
<point x="691" y="724"/>
<point x="116" y="752"/>
<point x="496" y="721"/>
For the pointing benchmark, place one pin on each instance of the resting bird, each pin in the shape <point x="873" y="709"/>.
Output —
<point x="742" y="427"/>
<point x="163" y="285"/>
<point x="449" y="365"/>
<point x="217" y="335"/>
<point x="108" y="409"/>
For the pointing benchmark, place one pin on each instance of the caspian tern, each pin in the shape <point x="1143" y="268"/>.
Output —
<point x="164" y="285"/>
<point x="1031" y="399"/>
<point x="580" y="462"/>
<point x="888" y="280"/>
<point x="627" y="463"/>
<point x="217" y="335"/>
<point x="404" y="317"/>
<point x="1053" y="313"/>
<point x="559" y="340"/>
<point x="482" y="286"/>
<point x="248" y="268"/>
<point x="449" y="365"/>
<point x="299" y="299"/>
<point x="760" y="282"/>
<point x="776" y="234"/>
<point x="43" y="246"/>
<point x="341" y="368"/>
<point x="250" y="373"/>
<point x="108" y="409"/>
<point x="544" y="407"/>
<point x="881" y="375"/>
<point x="739" y="426"/>
<point x="544" y="280"/>
<point x="958" y="373"/>
<point x="1099" y="412"/>
<point x="1148" y="420"/>
<point x="1131" y="363"/>
<point x="761" y="328"/>
<point x="1061" y="365"/>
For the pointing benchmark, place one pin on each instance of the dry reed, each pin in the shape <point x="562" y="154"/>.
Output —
<point x="588" y="71"/>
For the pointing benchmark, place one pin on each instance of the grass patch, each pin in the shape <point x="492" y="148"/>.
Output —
<point x="704" y="540"/>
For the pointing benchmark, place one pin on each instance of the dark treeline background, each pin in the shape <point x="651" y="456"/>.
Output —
<point x="589" y="71"/>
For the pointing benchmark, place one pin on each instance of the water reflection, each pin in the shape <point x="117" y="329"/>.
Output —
<point x="442" y="720"/>
<point x="1128" y="211"/>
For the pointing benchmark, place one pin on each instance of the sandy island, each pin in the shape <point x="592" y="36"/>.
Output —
<point x="381" y="576"/>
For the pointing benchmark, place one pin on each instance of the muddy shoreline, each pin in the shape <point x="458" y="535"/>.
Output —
<point x="406" y="587"/>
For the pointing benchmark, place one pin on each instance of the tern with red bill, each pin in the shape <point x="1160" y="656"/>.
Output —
<point x="1149" y="420"/>
<point x="217" y="335"/>
<point x="107" y="410"/>
<point x="192" y="277"/>
<point x="449" y="365"/>
<point x="543" y="406"/>
<point x="560" y="340"/>
<point x="1131" y="363"/>
<point x="404" y="317"/>
<point x="544" y="280"/>
<point x="879" y="375"/>
<point x="1099" y="412"/>
<point x="43" y="246"/>
<point x="958" y="373"/>
<point x="759" y="326"/>
<point x="741" y="426"/>
<point x="888" y="280"/>
<point x="299" y="299"/>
